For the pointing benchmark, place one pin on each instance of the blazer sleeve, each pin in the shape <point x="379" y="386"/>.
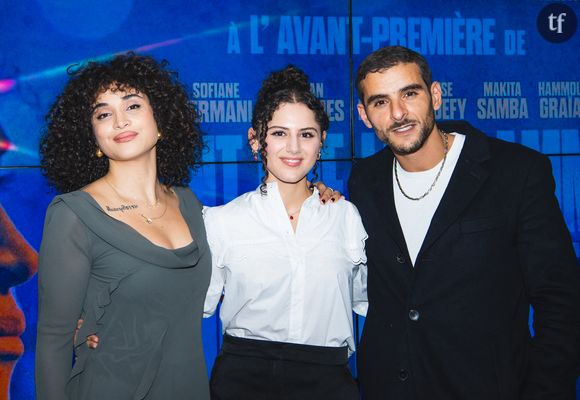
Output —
<point x="354" y="182"/>
<point x="552" y="281"/>
<point x="63" y="274"/>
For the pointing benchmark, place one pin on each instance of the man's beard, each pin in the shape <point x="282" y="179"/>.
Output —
<point x="425" y="131"/>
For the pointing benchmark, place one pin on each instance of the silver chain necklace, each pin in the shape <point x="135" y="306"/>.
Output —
<point x="445" y="151"/>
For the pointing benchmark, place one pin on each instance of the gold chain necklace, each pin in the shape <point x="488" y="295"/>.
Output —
<point x="445" y="151"/>
<point x="147" y="219"/>
<point x="150" y="220"/>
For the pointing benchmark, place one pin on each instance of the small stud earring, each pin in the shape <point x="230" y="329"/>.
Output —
<point x="159" y="136"/>
<point x="99" y="153"/>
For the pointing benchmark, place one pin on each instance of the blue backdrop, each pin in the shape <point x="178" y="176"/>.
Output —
<point x="510" y="68"/>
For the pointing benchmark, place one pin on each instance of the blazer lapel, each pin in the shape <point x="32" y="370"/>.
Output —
<point x="385" y="204"/>
<point x="469" y="175"/>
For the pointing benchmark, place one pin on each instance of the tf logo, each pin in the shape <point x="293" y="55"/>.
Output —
<point x="557" y="23"/>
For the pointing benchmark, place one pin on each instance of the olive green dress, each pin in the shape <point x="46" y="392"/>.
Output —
<point x="145" y="303"/>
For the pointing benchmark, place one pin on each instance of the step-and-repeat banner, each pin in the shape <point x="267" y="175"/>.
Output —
<point x="510" y="68"/>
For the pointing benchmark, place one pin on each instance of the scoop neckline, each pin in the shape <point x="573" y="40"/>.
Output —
<point x="135" y="231"/>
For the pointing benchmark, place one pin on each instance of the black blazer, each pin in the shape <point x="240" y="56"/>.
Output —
<point x="455" y="326"/>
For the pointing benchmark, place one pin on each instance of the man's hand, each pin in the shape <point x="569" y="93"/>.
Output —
<point x="327" y="193"/>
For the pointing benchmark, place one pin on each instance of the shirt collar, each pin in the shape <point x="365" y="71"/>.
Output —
<point x="273" y="194"/>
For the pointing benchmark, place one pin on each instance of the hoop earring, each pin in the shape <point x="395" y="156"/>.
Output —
<point x="99" y="153"/>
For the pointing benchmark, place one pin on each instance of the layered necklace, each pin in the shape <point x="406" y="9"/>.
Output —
<point x="445" y="151"/>
<point x="146" y="218"/>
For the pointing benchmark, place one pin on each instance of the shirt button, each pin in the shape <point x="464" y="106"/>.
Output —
<point x="414" y="315"/>
<point x="403" y="375"/>
<point x="400" y="258"/>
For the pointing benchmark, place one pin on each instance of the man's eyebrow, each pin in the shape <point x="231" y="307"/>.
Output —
<point x="376" y="97"/>
<point x="413" y="86"/>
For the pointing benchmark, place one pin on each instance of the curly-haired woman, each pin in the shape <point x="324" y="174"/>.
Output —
<point x="125" y="247"/>
<point x="291" y="270"/>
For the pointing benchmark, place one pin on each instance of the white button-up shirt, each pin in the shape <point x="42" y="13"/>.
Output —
<point x="286" y="286"/>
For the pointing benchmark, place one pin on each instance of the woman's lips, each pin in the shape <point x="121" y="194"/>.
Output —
<point x="125" y="137"/>
<point x="292" y="162"/>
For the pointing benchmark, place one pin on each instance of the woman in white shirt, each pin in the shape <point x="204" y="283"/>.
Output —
<point x="290" y="269"/>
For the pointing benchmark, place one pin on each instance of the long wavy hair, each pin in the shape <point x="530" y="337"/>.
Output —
<point x="68" y="145"/>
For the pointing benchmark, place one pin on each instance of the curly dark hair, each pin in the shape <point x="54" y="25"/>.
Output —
<point x="387" y="57"/>
<point x="68" y="146"/>
<point x="289" y="85"/>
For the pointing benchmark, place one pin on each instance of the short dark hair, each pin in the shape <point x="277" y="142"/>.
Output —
<point x="68" y="145"/>
<point x="387" y="57"/>
<point x="289" y="85"/>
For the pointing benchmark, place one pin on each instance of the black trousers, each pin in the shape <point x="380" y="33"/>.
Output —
<point x="265" y="370"/>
